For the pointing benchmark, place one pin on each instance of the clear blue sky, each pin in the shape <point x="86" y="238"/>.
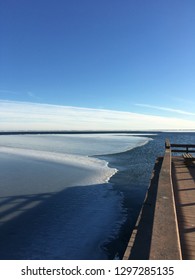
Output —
<point x="126" y="55"/>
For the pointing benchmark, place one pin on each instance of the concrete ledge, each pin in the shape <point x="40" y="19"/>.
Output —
<point x="156" y="234"/>
<point x="165" y="244"/>
<point x="139" y="244"/>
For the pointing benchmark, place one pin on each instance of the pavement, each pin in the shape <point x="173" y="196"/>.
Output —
<point x="183" y="176"/>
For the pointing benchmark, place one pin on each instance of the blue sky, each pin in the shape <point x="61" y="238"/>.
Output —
<point x="133" y="56"/>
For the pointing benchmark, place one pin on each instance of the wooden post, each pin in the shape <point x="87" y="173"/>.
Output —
<point x="167" y="144"/>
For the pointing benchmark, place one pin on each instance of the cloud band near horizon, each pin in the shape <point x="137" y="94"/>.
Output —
<point x="15" y="116"/>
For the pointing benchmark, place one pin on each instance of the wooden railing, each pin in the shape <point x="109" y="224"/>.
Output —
<point x="180" y="148"/>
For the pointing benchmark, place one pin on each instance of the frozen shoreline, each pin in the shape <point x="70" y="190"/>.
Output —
<point x="64" y="170"/>
<point x="58" y="205"/>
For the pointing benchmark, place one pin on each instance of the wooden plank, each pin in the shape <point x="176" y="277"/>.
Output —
<point x="180" y="151"/>
<point x="183" y="179"/>
<point x="183" y="145"/>
<point x="187" y="156"/>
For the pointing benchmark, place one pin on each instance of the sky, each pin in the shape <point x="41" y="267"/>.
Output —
<point x="97" y="64"/>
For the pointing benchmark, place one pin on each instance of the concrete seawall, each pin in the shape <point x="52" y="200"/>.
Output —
<point x="165" y="244"/>
<point x="156" y="234"/>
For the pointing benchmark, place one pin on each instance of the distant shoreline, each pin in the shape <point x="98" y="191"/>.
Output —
<point x="72" y="132"/>
<point x="90" y="132"/>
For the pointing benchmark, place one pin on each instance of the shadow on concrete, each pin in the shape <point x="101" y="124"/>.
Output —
<point x="183" y="187"/>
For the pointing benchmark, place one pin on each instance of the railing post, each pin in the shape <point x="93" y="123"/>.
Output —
<point x="167" y="144"/>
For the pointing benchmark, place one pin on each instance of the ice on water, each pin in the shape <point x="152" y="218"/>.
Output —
<point x="82" y="144"/>
<point x="59" y="193"/>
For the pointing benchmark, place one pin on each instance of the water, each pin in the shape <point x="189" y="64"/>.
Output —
<point x="55" y="199"/>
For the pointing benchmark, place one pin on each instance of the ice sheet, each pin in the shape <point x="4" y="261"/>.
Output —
<point x="54" y="199"/>
<point x="82" y="144"/>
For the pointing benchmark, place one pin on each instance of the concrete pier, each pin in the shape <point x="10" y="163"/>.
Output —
<point x="165" y="229"/>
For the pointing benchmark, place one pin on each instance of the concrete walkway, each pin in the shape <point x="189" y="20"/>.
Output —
<point x="154" y="236"/>
<point x="183" y="176"/>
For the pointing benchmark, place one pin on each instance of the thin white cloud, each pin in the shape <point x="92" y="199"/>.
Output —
<point x="166" y="109"/>
<point x="34" y="116"/>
